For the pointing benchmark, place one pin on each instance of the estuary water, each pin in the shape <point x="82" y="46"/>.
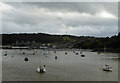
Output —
<point x="67" y="67"/>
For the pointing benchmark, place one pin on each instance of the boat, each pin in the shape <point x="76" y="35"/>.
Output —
<point x="45" y="52"/>
<point x="55" y="57"/>
<point x="82" y="55"/>
<point x="41" y="70"/>
<point x="33" y="53"/>
<point x="26" y="59"/>
<point x="5" y="54"/>
<point x="76" y="53"/>
<point x="98" y="53"/>
<point x="80" y="52"/>
<point x="65" y="52"/>
<point x="23" y="52"/>
<point x="38" y="70"/>
<point x="106" y="67"/>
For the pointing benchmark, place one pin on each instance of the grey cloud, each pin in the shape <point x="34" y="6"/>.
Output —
<point x="87" y="7"/>
<point x="59" y="18"/>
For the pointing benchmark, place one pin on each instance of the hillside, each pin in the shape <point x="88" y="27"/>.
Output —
<point x="62" y="41"/>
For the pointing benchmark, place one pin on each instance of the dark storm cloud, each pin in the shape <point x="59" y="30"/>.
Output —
<point x="97" y="19"/>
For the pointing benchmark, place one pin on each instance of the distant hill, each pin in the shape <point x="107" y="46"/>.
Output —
<point x="40" y="38"/>
<point x="65" y="41"/>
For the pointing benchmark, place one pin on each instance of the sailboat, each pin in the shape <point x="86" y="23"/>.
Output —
<point x="65" y="49"/>
<point x="45" y="52"/>
<point x="42" y="69"/>
<point x="82" y="55"/>
<point x="98" y="52"/>
<point x="106" y="67"/>
<point x="55" y="56"/>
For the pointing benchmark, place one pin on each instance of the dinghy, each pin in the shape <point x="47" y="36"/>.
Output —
<point x="5" y="54"/>
<point x="98" y="53"/>
<point x="76" y="53"/>
<point x="41" y="70"/>
<point x="65" y="52"/>
<point x="55" y="57"/>
<point x="107" y="68"/>
<point x="23" y="52"/>
<point x="26" y="59"/>
<point x="82" y="55"/>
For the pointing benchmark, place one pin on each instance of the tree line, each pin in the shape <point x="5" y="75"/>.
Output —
<point x="83" y="42"/>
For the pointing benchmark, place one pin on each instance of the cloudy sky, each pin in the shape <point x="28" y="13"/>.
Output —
<point x="74" y="18"/>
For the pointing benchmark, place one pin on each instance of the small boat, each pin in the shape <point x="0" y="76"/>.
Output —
<point x="65" y="52"/>
<point x="38" y="70"/>
<point x="41" y="70"/>
<point x="82" y="55"/>
<point x="54" y="51"/>
<point x="107" y="68"/>
<point x="26" y="59"/>
<point x="23" y="52"/>
<point x="33" y="53"/>
<point x="98" y="53"/>
<point x="76" y="53"/>
<point x="55" y="57"/>
<point x="5" y="54"/>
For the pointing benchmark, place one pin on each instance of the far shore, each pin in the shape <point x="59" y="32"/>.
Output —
<point x="99" y="50"/>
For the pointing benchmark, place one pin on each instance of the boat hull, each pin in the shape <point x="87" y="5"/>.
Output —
<point x="107" y="69"/>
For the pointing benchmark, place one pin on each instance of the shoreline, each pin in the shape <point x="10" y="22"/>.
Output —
<point x="111" y="50"/>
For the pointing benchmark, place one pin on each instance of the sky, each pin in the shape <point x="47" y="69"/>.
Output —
<point x="71" y="18"/>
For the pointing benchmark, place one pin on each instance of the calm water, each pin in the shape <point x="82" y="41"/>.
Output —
<point x="70" y="67"/>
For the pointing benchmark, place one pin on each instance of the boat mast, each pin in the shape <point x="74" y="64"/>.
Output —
<point x="105" y="52"/>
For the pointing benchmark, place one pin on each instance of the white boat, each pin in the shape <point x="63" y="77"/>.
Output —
<point x="107" y="68"/>
<point x="44" y="70"/>
<point x="39" y="70"/>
